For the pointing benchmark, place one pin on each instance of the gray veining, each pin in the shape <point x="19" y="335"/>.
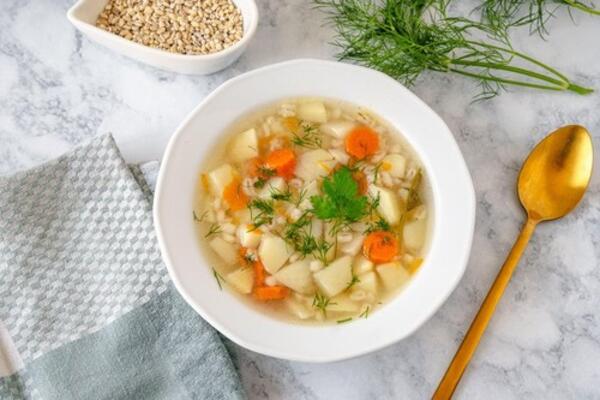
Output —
<point x="57" y="89"/>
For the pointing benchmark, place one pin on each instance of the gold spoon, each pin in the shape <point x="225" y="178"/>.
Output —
<point x="551" y="183"/>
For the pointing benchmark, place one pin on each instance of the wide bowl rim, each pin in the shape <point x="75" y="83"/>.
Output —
<point x="290" y="354"/>
<point x="247" y="36"/>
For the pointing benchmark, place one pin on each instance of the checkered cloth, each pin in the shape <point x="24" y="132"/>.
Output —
<point x="81" y="273"/>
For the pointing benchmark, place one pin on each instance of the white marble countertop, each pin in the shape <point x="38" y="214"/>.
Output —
<point x="57" y="89"/>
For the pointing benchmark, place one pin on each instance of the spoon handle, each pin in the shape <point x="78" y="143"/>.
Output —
<point x="467" y="348"/>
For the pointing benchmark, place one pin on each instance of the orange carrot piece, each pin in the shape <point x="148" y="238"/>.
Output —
<point x="362" y="142"/>
<point x="235" y="196"/>
<point x="252" y="167"/>
<point x="266" y="293"/>
<point x="283" y="161"/>
<point x="380" y="246"/>
<point x="259" y="274"/>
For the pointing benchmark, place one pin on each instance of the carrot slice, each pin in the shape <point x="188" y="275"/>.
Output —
<point x="283" y="161"/>
<point x="234" y="195"/>
<point x="362" y="142"/>
<point x="267" y="293"/>
<point x="259" y="274"/>
<point x="380" y="246"/>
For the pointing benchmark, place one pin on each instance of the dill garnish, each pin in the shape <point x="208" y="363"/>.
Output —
<point x="201" y="217"/>
<point x="261" y="212"/>
<point x="321" y="302"/>
<point x="260" y="183"/>
<point x="343" y="321"/>
<point x="365" y="313"/>
<point x="310" y="138"/>
<point x="214" y="229"/>
<point x="281" y="195"/>
<point x="354" y="281"/>
<point x="218" y="278"/>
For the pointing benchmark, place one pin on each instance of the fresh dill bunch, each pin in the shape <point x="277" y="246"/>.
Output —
<point x="504" y="14"/>
<point x="261" y="212"/>
<point x="404" y="38"/>
<point x="309" y="138"/>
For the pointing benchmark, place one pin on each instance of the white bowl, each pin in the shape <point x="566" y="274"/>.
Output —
<point x="84" y="13"/>
<point x="453" y="202"/>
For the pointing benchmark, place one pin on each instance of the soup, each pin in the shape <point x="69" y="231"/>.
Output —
<point x="314" y="210"/>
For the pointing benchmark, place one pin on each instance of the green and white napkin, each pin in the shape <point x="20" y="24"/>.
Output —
<point x="87" y="310"/>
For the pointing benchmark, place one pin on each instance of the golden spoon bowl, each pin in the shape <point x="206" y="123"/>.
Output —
<point x="552" y="181"/>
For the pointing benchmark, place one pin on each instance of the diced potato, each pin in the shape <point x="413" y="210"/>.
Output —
<point x="313" y="111"/>
<point x="219" y="178"/>
<point x="342" y="304"/>
<point x="309" y="190"/>
<point x="393" y="275"/>
<point x="352" y="247"/>
<point x="394" y="164"/>
<point x="413" y="234"/>
<point x="244" y="146"/>
<point x="241" y="279"/>
<point x="273" y="252"/>
<point x="336" y="277"/>
<point x="337" y="129"/>
<point x="297" y="276"/>
<point x="273" y="185"/>
<point x="249" y="237"/>
<point x="361" y="265"/>
<point x="366" y="282"/>
<point x="227" y="251"/>
<point x="299" y="308"/>
<point x="389" y="207"/>
<point x="314" y="164"/>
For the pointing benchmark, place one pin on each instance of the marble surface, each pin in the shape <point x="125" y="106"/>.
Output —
<point x="57" y="89"/>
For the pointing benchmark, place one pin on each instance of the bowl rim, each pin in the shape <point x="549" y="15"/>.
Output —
<point x="246" y="37"/>
<point x="462" y="262"/>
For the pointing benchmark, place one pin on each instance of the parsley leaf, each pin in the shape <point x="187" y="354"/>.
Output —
<point x="340" y="200"/>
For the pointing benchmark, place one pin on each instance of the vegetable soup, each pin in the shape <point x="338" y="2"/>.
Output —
<point x="313" y="209"/>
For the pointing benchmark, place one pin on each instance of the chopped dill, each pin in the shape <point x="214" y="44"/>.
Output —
<point x="379" y="225"/>
<point x="343" y="321"/>
<point x="260" y="183"/>
<point x="354" y="281"/>
<point x="266" y="171"/>
<point x="365" y="313"/>
<point x="413" y="194"/>
<point x="281" y="195"/>
<point x="201" y="217"/>
<point x="218" y="278"/>
<point x="214" y="229"/>
<point x="264" y="212"/>
<point x="321" y="302"/>
<point x="310" y="138"/>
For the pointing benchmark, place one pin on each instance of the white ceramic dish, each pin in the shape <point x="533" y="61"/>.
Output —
<point x="84" y="13"/>
<point x="453" y="201"/>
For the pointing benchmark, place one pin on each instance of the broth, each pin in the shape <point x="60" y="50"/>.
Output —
<point x="313" y="210"/>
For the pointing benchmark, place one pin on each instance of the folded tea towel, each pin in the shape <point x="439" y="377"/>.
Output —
<point x="86" y="307"/>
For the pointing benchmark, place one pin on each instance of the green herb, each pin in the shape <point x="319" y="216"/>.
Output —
<point x="504" y="14"/>
<point x="218" y="278"/>
<point x="266" y="171"/>
<point x="303" y="242"/>
<point x="260" y="183"/>
<point x="300" y="197"/>
<point x="261" y="212"/>
<point x="414" y="199"/>
<point x="280" y="195"/>
<point x="202" y="216"/>
<point x="379" y="225"/>
<point x="340" y="201"/>
<point x="310" y="138"/>
<point x="353" y="282"/>
<point x="321" y="303"/>
<point x="365" y="313"/>
<point x="214" y="229"/>
<point x="404" y="38"/>
<point x="342" y="321"/>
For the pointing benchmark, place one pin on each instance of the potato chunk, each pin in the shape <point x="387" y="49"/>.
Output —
<point x="361" y="265"/>
<point x="273" y="185"/>
<point x="342" y="304"/>
<point x="273" y="252"/>
<point x="299" y="306"/>
<point x="336" y="277"/>
<point x="244" y="146"/>
<point x="367" y="282"/>
<point x="249" y="237"/>
<point x="313" y="111"/>
<point x="389" y="207"/>
<point x="414" y="234"/>
<point x="314" y="164"/>
<point x="337" y="129"/>
<point x="241" y="279"/>
<point x="219" y="178"/>
<point x="394" y="164"/>
<point x="393" y="275"/>
<point x="227" y="251"/>
<point x="297" y="276"/>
